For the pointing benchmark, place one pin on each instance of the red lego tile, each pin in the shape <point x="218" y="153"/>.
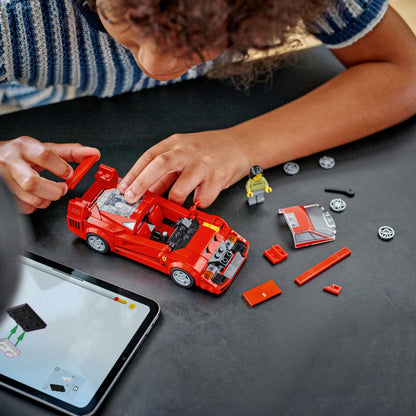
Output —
<point x="322" y="266"/>
<point x="261" y="293"/>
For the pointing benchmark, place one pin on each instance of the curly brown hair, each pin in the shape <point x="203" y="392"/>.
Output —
<point x="239" y="26"/>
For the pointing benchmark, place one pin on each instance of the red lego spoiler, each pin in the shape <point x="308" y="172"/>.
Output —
<point x="81" y="170"/>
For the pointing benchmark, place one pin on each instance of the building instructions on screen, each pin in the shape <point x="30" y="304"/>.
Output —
<point x="26" y="318"/>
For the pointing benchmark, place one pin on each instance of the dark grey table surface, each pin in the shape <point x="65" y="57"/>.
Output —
<point x="305" y="352"/>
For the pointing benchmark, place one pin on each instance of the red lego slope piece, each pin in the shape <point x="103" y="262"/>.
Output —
<point x="334" y="289"/>
<point x="261" y="293"/>
<point x="275" y="254"/>
<point x="322" y="266"/>
<point x="81" y="170"/>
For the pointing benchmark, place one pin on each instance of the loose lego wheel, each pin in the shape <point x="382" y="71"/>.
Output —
<point x="291" y="168"/>
<point x="97" y="243"/>
<point x="337" y="205"/>
<point x="182" y="278"/>
<point x="385" y="232"/>
<point x="326" y="162"/>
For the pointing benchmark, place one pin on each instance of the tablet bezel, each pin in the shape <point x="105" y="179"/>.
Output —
<point x="120" y="363"/>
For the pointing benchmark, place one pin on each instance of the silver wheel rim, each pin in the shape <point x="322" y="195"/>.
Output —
<point x="96" y="243"/>
<point x="385" y="232"/>
<point x="182" y="278"/>
<point x="291" y="168"/>
<point x="337" y="205"/>
<point x="326" y="162"/>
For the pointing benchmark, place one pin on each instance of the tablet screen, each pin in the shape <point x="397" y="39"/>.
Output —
<point x="66" y="336"/>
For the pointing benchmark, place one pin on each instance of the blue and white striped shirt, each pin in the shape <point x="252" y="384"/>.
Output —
<point x="58" y="50"/>
<point x="347" y="21"/>
<point x="55" y="50"/>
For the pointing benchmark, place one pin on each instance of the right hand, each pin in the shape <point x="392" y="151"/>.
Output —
<point x="204" y="162"/>
<point x="23" y="158"/>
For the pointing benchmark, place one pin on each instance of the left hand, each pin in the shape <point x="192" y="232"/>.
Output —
<point x="206" y="162"/>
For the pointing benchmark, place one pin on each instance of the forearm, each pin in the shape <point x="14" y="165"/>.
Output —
<point x="376" y="91"/>
<point x="360" y="101"/>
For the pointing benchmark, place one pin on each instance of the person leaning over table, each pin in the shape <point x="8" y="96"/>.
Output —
<point x="60" y="49"/>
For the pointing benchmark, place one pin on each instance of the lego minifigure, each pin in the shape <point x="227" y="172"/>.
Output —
<point x="256" y="186"/>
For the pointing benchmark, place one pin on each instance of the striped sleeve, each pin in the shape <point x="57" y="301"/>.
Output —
<point x="347" y="21"/>
<point x="55" y="50"/>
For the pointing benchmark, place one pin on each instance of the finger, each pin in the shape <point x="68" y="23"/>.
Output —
<point x="187" y="181"/>
<point x="207" y="183"/>
<point x="206" y="194"/>
<point x="162" y="165"/>
<point x="164" y="183"/>
<point x="41" y="156"/>
<point x="38" y="201"/>
<point x="206" y="179"/>
<point x="25" y="208"/>
<point x="144" y="160"/>
<point x="73" y="152"/>
<point x="30" y="187"/>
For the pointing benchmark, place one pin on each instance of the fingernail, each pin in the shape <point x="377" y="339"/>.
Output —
<point x="65" y="190"/>
<point x="130" y="195"/>
<point x="70" y="175"/>
<point x="122" y="187"/>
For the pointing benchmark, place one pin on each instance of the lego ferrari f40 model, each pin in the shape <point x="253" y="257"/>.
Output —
<point x="193" y="247"/>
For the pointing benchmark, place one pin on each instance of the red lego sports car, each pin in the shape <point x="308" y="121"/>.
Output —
<point x="193" y="247"/>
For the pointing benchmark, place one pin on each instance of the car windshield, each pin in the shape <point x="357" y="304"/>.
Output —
<point x="320" y="219"/>
<point x="307" y="237"/>
<point x="112" y="201"/>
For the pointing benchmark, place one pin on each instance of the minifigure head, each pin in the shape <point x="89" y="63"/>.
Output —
<point x="167" y="37"/>
<point x="256" y="172"/>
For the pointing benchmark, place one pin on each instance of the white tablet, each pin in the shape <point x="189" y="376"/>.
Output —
<point x="67" y="336"/>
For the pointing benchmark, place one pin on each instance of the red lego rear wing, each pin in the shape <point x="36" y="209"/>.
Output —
<point x="105" y="178"/>
<point x="81" y="170"/>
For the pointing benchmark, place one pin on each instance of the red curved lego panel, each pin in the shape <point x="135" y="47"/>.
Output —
<point x="309" y="224"/>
